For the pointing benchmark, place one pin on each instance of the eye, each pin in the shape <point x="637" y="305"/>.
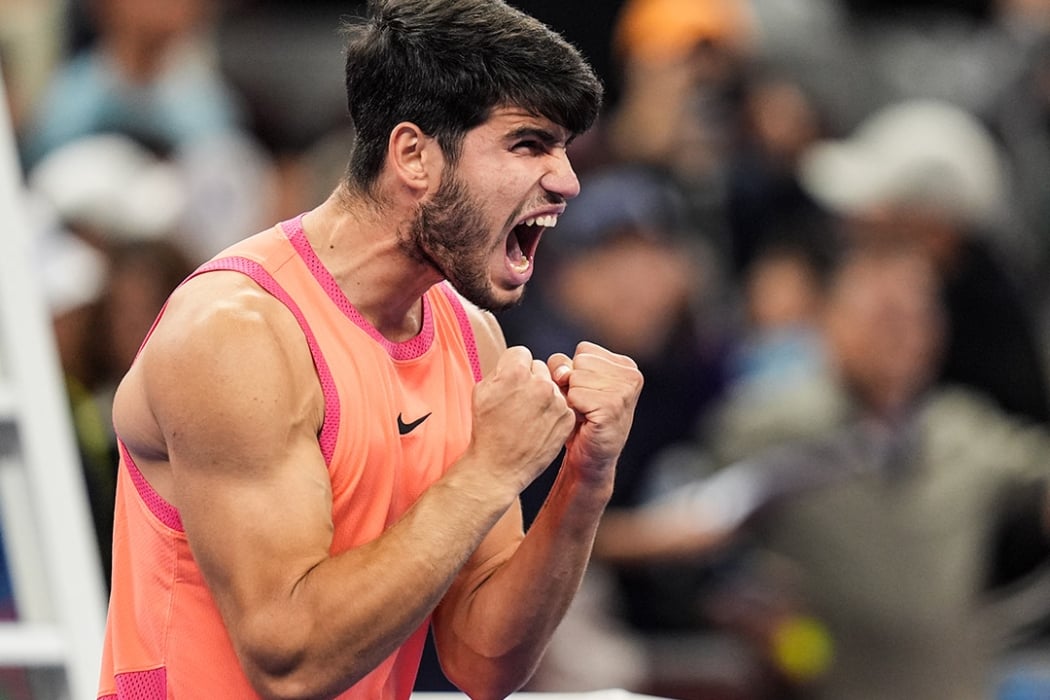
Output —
<point x="530" y="145"/>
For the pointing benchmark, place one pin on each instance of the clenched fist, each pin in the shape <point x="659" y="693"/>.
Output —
<point x="602" y="388"/>
<point x="521" y="419"/>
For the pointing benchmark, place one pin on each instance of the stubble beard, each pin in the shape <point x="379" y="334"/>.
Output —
<point x="449" y="233"/>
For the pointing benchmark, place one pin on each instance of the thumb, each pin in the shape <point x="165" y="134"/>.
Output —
<point x="560" y="366"/>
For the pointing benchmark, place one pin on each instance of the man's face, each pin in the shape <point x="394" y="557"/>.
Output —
<point x="885" y="325"/>
<point x="157" y="21"/>
<point x="482" y="227"/>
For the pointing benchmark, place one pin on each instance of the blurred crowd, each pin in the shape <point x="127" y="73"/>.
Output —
<point x="821" y="227"/>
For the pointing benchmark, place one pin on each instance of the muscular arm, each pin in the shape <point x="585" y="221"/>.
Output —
<point x="233" y="391"/>
<point x="494" y="624"/>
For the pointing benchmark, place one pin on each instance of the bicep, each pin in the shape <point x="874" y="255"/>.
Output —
<point x="238" y="403"/>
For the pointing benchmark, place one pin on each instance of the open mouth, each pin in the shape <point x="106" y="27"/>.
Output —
<point x="525" y="238"/>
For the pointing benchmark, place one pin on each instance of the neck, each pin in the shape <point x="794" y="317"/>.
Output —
<point x="358" y="242"/>
<point x="139" y="59"/>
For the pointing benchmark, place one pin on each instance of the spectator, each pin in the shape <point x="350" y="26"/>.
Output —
<point x="150" y="72"/>
<point x="680" y="64"/>
<point x="928" y="173"/>
<point x="142" y="274"/>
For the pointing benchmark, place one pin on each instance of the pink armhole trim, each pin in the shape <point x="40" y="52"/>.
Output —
<point x="466" y="329"/>
<point x="330" y="428"/>
<point x="140" y="685"/>
<point x="408" y="350"/>
<point x="163" y="511"/>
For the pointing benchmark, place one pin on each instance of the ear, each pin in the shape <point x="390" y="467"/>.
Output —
<point x="414" y="157"/>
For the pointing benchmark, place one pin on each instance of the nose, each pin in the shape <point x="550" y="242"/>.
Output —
<point x="560" y="177"/>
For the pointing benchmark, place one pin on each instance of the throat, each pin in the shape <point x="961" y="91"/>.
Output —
<point x="521" y="246"/>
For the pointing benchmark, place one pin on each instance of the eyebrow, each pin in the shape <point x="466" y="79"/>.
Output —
<point x="543" y="135"/>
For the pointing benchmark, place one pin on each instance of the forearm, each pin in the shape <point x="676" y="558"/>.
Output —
<point x="492" y="639"/>
<point x="336" y="624"/>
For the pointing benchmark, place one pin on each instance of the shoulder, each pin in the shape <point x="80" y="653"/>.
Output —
<point x="224" y="357"/>
<point x="956" y="405"/>
<point x="966" y="431"/>
<point x="220" y="305"/>
<point x="222" y="332"/>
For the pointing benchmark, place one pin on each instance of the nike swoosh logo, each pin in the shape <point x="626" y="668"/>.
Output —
<point x="405" y="428"/>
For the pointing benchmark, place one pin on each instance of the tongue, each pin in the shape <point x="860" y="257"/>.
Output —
<point x="514" y="251"/>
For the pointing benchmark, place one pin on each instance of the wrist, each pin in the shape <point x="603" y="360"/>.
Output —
<point x="586" y="486"/>
<point x="475" y="483"/>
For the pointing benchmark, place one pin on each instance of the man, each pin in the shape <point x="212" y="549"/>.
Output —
<point x="323" y="444"/>
<point x="928" y="173"/>
<point x="150" y="71"/>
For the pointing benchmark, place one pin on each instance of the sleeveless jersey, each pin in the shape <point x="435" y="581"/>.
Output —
<point x="164" y="636"/>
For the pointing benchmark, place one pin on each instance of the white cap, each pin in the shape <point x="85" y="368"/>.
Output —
<point x="112" y="184"/>
<point x="923" y="151"/>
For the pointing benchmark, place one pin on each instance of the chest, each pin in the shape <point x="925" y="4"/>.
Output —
<point x="401" y="425"/>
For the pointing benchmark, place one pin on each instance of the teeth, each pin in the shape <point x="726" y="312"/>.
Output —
<point x="547" y="221"/>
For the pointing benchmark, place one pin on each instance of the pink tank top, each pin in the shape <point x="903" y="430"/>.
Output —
<point x="164" y="636"/>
